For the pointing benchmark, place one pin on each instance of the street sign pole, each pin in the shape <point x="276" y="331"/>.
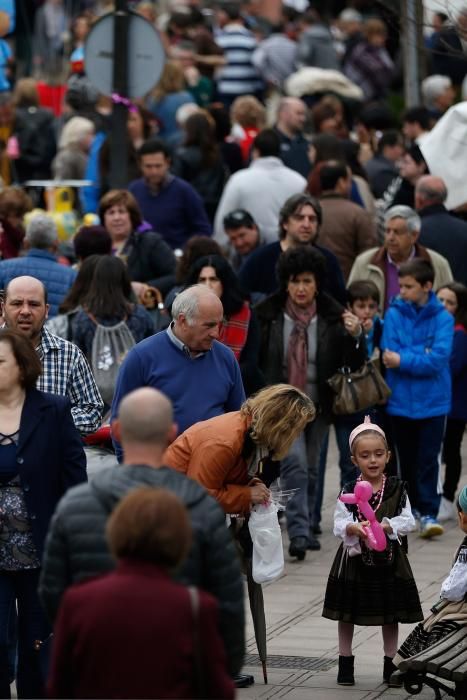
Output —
<point x="119" y="133"/>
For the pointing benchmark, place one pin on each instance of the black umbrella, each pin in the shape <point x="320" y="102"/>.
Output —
<point x="244" y="546"/>
<point x="255" y="595"/>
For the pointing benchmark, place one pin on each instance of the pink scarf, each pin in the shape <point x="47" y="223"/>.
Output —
<point x="297" y="351"/>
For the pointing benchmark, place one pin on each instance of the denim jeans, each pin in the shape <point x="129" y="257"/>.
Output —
<point x="21" y="587"/>
<point x="418" y="448"/>
<point x="299" y="469"/>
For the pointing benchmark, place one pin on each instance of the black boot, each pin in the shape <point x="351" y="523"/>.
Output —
<point x="345" y="675"/>
<point x="298" y="547"/>
<point x="388" y="669"/>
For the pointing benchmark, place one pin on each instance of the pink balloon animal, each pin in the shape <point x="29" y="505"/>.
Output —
<point x="363" y="491"/>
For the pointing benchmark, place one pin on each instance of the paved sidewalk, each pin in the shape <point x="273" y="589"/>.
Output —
<point x="302" y="645"/>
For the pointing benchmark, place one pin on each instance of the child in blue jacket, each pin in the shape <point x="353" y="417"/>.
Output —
<point x="417" y="343"/>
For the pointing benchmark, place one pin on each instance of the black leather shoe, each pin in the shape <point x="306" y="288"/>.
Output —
<point x="298" y="547"/>
<point x="243" y="680"/>
<point x="313" y="543"/>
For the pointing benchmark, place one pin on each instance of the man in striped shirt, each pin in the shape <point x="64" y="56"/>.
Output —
<point x="65" y="370"/>
<point x="239" y="76"/>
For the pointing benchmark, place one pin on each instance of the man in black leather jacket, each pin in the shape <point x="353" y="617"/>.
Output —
<point x="76" y="546"/>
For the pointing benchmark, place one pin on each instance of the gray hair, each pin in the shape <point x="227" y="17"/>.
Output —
<point x="187" y="302"/>
<point x="41" y="231"/>
<point x="76" y="129"/>
<point x="401" y="211"/>
<point x="433" y="87"/>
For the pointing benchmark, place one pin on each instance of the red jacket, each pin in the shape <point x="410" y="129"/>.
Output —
<point x="130" y="633"/>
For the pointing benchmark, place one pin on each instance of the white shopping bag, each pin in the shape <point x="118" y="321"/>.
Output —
<point x="268" y="554"/>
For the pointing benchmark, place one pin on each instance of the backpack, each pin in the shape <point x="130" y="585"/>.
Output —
<point x="36" y="141"/>
<point x="110" y="346"/>
<point x="61" y="325"/>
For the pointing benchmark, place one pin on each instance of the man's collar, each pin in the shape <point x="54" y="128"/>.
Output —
<point x="41" y="253"/>
<point x="165" y="183"/>
<point x="180" y="344"/>
<point x="48" y="341"/>
<point x="391" y="261"/>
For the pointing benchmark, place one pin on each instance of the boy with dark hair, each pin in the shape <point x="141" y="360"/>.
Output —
<point x="363" y="300"/>
<point x="417" y="342"/>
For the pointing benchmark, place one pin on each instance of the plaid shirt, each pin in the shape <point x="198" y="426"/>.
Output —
<point x="65" y="371"/>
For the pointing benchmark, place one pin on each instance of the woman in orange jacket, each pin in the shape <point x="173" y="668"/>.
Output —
<point x="233" y="455"/>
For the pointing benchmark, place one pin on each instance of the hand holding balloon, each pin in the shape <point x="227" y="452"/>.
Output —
<point x="363" y="491"/>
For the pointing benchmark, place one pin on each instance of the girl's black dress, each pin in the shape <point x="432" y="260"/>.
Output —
<point x="382" y="591"/>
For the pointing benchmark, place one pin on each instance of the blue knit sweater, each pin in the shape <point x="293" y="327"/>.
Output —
<point x="176" y="211"/>
<point x="199" y="388"/>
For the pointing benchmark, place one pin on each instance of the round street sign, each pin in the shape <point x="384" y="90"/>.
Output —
<point x="146" y="55"/>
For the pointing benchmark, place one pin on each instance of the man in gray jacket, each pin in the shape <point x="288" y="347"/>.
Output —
<point x="76" y="546"/>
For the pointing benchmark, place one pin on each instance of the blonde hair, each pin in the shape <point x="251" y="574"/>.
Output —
<point x="171" y="80"/>
<point x="26" y="93"/>
<point x="278" y="415"/>
<point x="248" y="112"/>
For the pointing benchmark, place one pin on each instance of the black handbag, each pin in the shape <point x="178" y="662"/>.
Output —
<point x="358" y="390"/>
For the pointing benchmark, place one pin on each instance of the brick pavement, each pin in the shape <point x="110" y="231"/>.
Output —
<point x="302" y="645"/>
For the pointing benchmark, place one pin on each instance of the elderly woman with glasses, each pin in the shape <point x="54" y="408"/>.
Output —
<point x="306" y="336"/>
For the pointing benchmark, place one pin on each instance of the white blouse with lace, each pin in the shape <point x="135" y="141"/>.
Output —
<point x="454" y="587"/>
<point x="401" y="525"/>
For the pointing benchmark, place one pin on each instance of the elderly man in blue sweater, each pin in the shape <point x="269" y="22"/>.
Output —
<point x="40" y="262"/>
<point x="186" y="362"/>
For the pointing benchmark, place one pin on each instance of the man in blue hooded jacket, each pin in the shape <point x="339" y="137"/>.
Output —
<point x="417" y="341"/>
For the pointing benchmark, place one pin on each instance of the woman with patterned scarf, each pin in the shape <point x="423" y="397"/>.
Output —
<point x="239" y="330"/>
<point x="305" y="337"/>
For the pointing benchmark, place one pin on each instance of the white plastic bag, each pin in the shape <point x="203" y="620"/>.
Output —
<point x="268" y="554"/>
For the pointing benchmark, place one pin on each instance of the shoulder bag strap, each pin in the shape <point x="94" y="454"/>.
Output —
<point x="200" y="681"/>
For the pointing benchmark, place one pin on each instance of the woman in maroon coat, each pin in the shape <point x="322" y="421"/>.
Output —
<point x="135" y="633"/>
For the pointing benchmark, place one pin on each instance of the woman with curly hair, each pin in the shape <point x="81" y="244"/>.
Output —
<point x="305" y="337"/>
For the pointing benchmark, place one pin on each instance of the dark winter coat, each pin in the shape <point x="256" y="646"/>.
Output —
<point x="207" y="180"/>
<point x="150" y="260"/>
<point x="76" y="546"/>
<point x="47" y="465"/>
<point x="447" y="235"/>
<point x="120" y="622"/>
<point x="335" y="346"/>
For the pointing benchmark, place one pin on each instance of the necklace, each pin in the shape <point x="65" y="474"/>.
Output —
<point x="379" y="495"/>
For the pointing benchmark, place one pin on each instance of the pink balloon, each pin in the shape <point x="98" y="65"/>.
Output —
<point x="363" y="491"/>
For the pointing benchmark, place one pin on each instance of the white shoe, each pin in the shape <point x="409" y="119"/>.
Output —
<point x="446" y="510"/>
<point x="430" y="527"/>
